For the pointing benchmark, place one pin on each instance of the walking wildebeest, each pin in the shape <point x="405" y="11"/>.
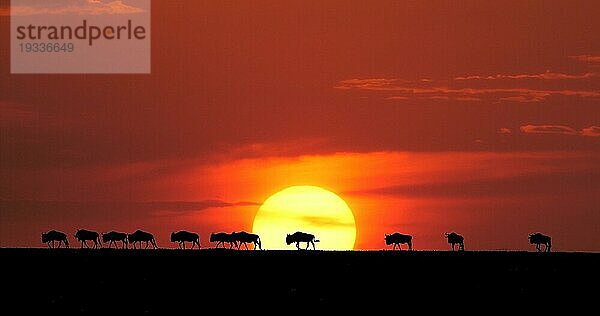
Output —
<point x="397" y="239"/>
<point x="538" y="239"/>
<point x="53" y="236"/>
<point x="182" y="236"/>
<point x="84" y="235"/>
<point x="299" y="237"/>
<point x="222" y="238"/>
<point x="454" y="238"/>
<point x="244" y="238"/>
<point x="140" y="236"/>
<point x="113" y="237"/>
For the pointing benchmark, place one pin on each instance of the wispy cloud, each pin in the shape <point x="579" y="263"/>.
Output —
<point x="593" y="131"/>
<point x="525" y="185"/>
<point x="505" y="130"/>
<point x="403" y="90"/>
<point x="548" y="129"/>
<point x="548" y="75"/>
<point x="326" y="221"/>
<point x="526" y="98"/>
<point x="77" y="7"/>
<point x="23" y="209"/>
<point x="512" y="87"/>
<point x="592" y="59"/>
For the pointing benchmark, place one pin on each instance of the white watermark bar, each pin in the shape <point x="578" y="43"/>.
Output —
<point x="80" y="36"/>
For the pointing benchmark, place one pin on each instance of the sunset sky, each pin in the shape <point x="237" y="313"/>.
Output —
<point x="480" y="117"/>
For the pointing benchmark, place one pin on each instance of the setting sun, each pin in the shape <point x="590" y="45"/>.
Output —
<point x="309" y="209"/>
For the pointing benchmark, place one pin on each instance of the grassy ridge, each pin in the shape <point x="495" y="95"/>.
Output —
<point x="166" y="281"/>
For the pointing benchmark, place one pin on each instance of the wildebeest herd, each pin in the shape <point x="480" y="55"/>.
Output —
<point x="237" y="239"/>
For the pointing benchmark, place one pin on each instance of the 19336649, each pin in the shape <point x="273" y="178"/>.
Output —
<point x="47" y="47"/>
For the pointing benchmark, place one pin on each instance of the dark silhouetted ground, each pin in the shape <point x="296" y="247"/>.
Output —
<point x="170" y="281"/>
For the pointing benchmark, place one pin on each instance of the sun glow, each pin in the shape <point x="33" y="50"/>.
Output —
<point x="309" y="209"/>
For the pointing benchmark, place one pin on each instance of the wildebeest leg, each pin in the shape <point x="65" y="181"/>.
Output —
<point x="308" y="244"/>
<point x="246" y="245"/>
<point x="298" y="245"/>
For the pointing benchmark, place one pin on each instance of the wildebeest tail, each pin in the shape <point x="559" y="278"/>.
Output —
<point x="316" y="240"/>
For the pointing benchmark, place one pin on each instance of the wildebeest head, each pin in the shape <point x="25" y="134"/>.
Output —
<point x="289" y="239"/>
<point x="105" y="237"/>
<point x="213" y="237"/>
<point x="388" y="239"/>
<point x="533" y="238"/>
<point x="44" y="237"/>
<point x="173" y="237"/>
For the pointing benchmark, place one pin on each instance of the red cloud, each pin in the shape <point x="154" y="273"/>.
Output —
<point x="425" y="90"/>
<point x="548" y="129"/>
<point x="92" y="7"/>
<point x="592" y="59"/>
<point x="592" y="131"/>
<point x="548" y="75"/>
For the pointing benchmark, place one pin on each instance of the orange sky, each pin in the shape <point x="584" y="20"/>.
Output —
<point x="425" y="117"/>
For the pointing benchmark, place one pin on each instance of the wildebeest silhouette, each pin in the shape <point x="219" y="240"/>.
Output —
<point x="454" y="238"/>
<point x="141" y="236"/>
<point x="52" y="236"/>
<point x="397" y="239"/>
<point x="299" y="237"/>
<point x="84" y="235"/>
<point x="538" y="239"/>
<point x="244" y="238"/>
<point x="182" y="236"/>
<point x="222" y="238"/>
<point x="113" y="237"/>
